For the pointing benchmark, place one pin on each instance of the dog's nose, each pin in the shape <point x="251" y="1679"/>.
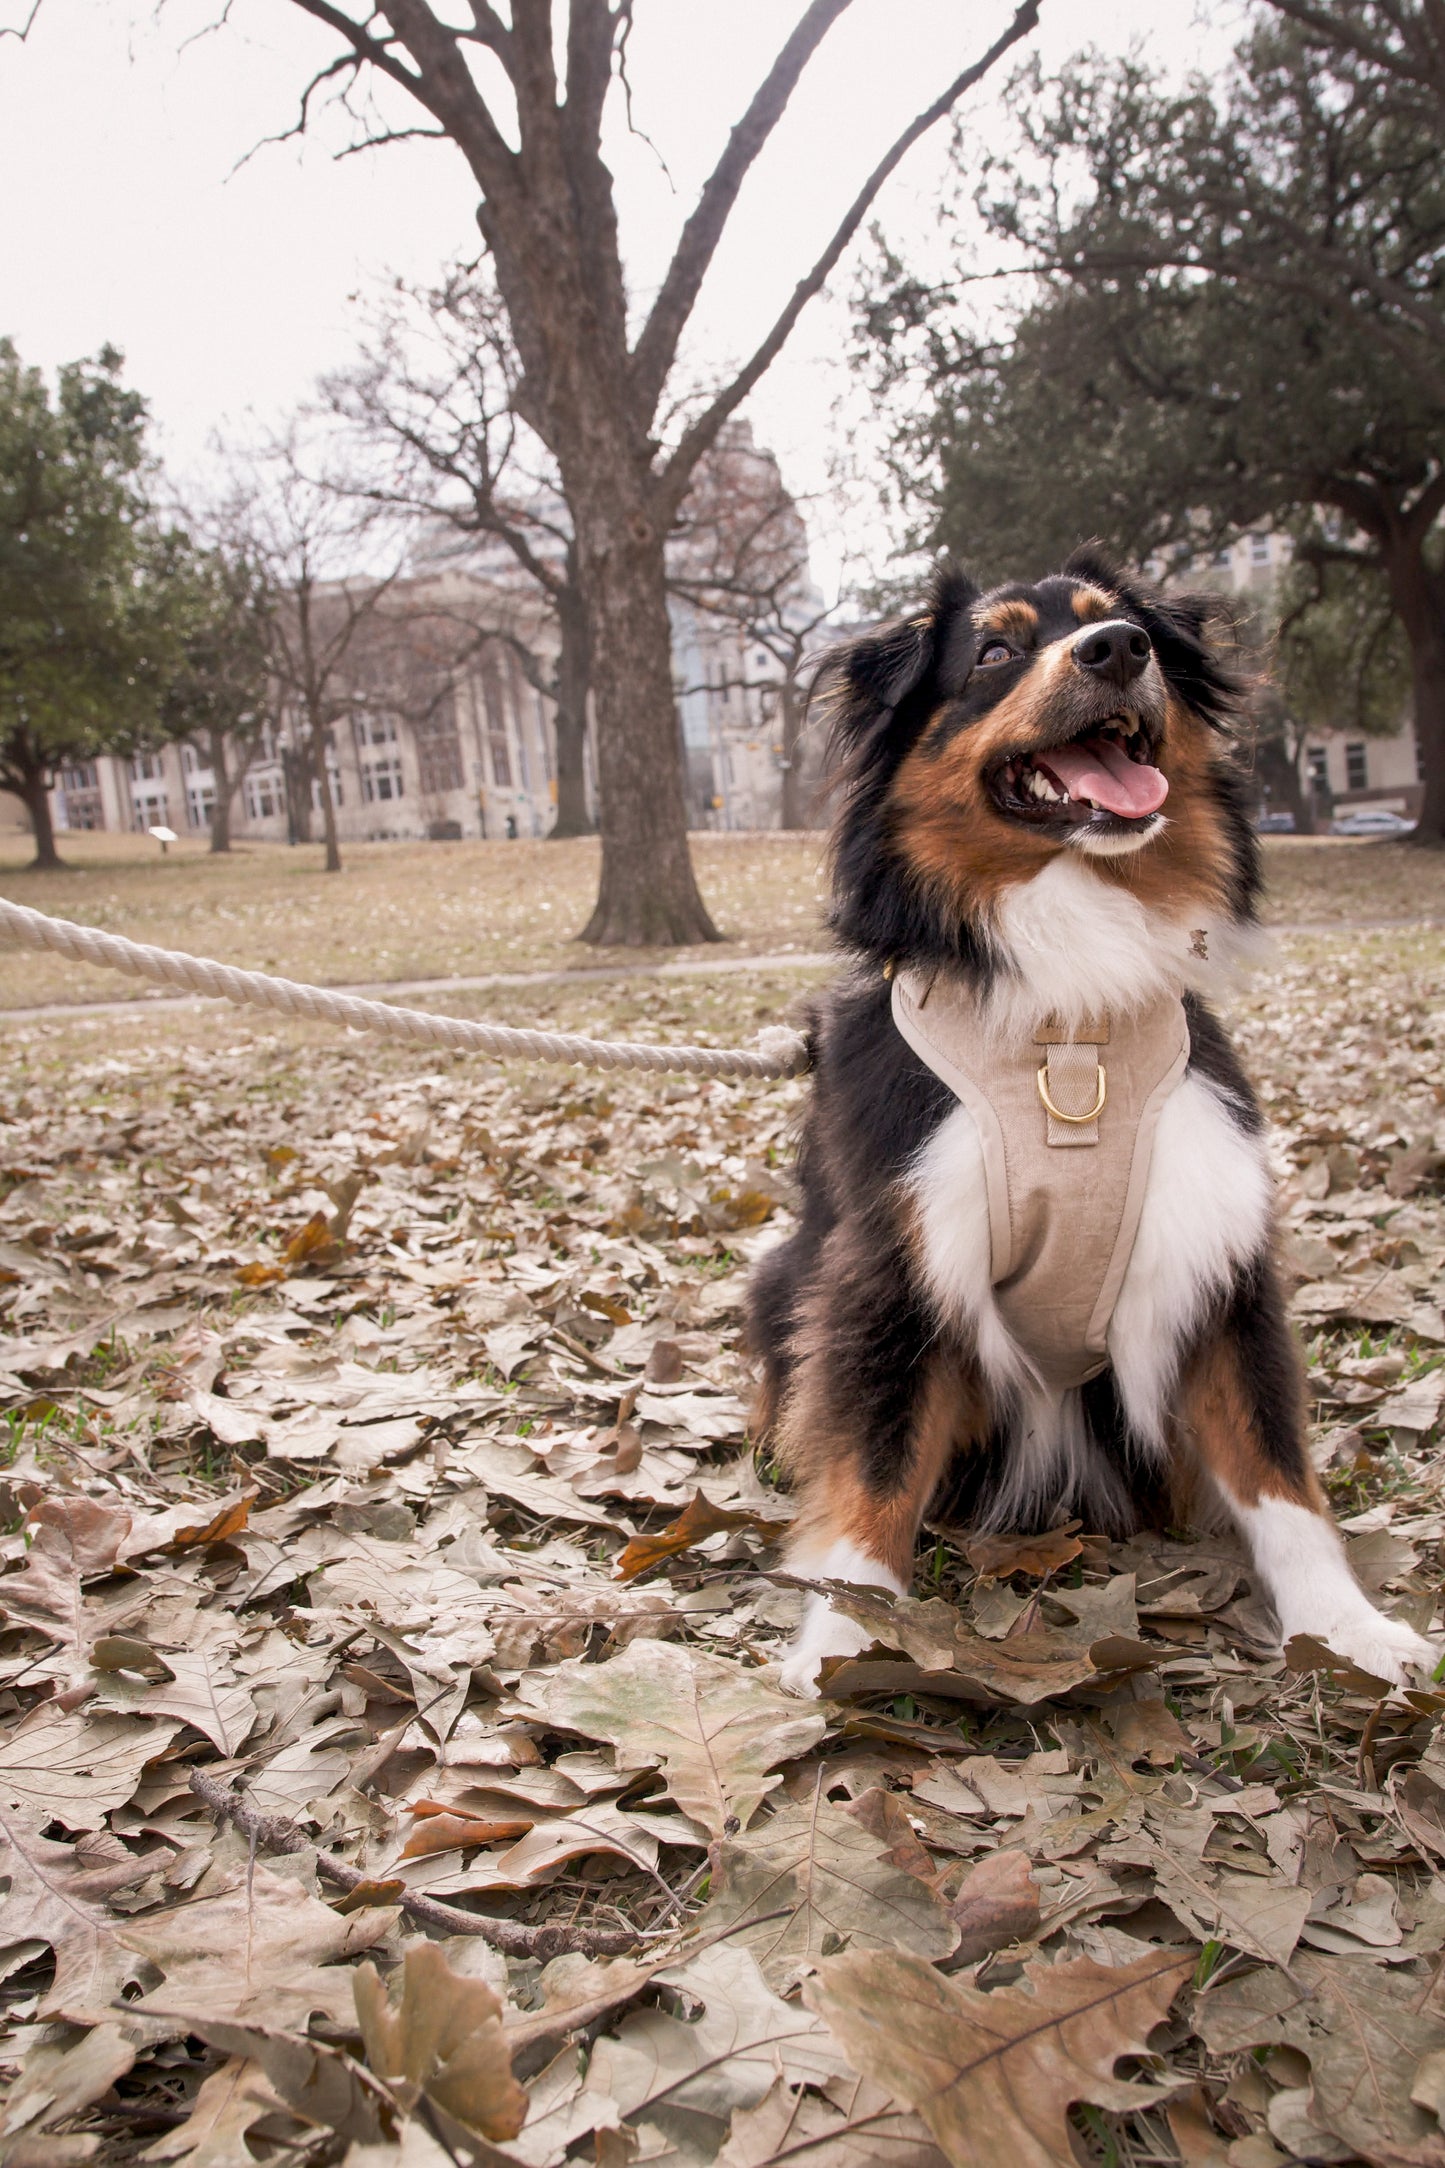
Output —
<point x="1117" y="651"/>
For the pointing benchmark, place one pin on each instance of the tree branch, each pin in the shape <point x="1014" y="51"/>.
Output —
<point x="700" y="435"/>
<point x="277" y="1833"/>
<point x="656" y="348"/>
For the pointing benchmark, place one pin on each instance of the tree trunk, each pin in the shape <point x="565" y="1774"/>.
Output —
<point x="571" y="684"/>
<point x="648" y="896"/>
<point x="1419" y="597"/>
<point x="225" y="791"/>
<point x="33" y="788"/>
<point x="322" y="772"/>
<point x="795" y="795"/>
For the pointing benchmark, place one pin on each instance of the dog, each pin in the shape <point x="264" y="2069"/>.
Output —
<point x="1034" y="1272"/>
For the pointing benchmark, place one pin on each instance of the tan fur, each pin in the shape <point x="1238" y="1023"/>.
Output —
<point x="1217" y="1420"/>
<point x="1092" y="606"/>
<point x="1014" y="619"/>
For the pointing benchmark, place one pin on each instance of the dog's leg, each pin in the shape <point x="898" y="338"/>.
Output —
<point x="875" y="1410"/>
<point x="1242" y="1404"/>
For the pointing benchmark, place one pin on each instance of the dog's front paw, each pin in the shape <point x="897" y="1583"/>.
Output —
<point x="1385" y="1647"/>
<point x="823" y="1633"/>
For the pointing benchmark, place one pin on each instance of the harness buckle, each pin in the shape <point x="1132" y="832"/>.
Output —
<point x="1076" y="1119"/>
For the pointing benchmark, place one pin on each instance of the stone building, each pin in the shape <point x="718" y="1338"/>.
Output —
<point x="446" y="734"/>
<point x="1342" y="769"/>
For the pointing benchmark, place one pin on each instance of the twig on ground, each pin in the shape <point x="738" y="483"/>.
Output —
<point x="277" y="1833"/>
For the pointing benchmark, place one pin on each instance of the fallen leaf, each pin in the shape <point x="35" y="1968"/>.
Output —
<point x="994" y="2075"/>
<point x="997" y="1904"/>
<point x="699" y="1519"/>
<point x="256" y="1948"/>
<point x="824" y="1871"/>
<point x="444" y="2039"/>
<point x="716" y="1731"/>
<point x="57" y="1898"/>
<point x="451" y="1832"/>
<point x="76" y="1768"/>
<point x="996" y="1557"/>
<point x="856" y="2125"/>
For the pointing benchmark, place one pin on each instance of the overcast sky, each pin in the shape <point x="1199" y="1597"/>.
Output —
<point x="131" y="216"/>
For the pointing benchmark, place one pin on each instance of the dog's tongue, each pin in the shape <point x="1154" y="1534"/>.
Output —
<point x="1101" y="770"/>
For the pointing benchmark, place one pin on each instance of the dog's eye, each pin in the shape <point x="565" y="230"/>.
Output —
<point x="995" y="651"/>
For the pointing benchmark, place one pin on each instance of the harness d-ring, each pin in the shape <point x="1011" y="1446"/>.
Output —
<point x="1058" y="1113"/>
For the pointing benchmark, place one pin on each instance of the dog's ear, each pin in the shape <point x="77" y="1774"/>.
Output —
<point x="885" y="684"/>
<point x="1092" y="562"/>
<point x="1189" y="632"/>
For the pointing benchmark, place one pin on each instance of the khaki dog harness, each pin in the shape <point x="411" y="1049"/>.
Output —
<point x="1067" y="1131"/>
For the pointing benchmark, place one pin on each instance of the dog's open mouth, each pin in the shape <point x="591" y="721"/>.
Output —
<point x="1103" y="776"/>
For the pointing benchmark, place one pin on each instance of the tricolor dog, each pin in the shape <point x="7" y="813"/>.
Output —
<point x="1035" y="1266"/>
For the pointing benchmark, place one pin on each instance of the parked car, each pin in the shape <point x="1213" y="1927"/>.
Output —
<point x="1371" y="821"/>
<point x="1277" y="823"/>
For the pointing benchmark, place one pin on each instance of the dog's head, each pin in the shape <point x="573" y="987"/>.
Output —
<point x="975" y="743"/>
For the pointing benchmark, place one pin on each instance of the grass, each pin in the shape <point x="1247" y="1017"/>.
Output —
<point x="428" y="910"/>
<point x="396" y="910"/>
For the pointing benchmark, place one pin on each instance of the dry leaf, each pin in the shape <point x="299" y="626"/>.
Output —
<point x="716" y="1731"/>
<point x="824" y="1871"/>
<point x="997" y="1904"/>
<point x="444" y="2039"/>
<point x="857" y="2125"/>
<point x="76" y="1767"/>
<point x="993" y="2076"/>
<point x="258" y="1948"/>
<point x="996" y="1557"/>
<point x="699" y="1519"/>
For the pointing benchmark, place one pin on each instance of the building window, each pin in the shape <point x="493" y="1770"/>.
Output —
<point x="146" y="768"/>
<point x="1223" y="557"/>
<point x="149" y="806"/>
<point x="498" y="744"/>
<point x="200" y="801"/>
<point x="1319" y="767"/>
<point x="439" y="758"/>
<point x="379" y="753"/>
<point x="439" y="749"/>
<point x="1259" y="549"/>
<point x="81" y="805"/>
<point x="1357" y="774"/>
<point x="264" y="797"/>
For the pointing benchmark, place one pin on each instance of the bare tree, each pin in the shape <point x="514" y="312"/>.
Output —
<point x="303" y="527"/>
<point x="739" y="555"/>
<point x="591" y="390"/>
<point x="216" y="696"/>
<point x="433" y="398"/>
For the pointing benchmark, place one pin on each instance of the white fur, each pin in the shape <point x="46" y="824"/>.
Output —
<point x="1206" y="1212"/>
<point x="950" y="1196"/>
<point x="1117" y="844"/>
<point x="1301" y="1561"/>
<point x="823" y="1632"/>
<point x="1073" y="945"/>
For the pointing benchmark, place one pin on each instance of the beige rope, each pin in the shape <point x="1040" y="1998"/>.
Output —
<point x="779" y="1052"/>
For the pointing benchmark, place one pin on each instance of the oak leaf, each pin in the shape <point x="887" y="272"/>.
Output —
<point x="996" y="1557"/>
<point x="55" y="1897"/>
<point x="699" y="1519"/>
<point x="444" y="2039"/>
<point x="824" y="1871"/>
<point x="995" y="2075"/>
<point x="717" y="1731"/>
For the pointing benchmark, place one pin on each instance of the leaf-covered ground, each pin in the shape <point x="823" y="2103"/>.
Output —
<point x="388" y="1778"/>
